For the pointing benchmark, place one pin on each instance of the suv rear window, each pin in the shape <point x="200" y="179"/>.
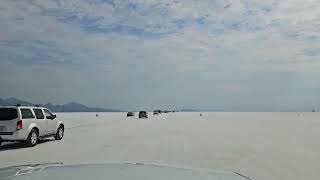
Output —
<point x="8" y="114"/>
<point x="39" y="113"/>
<point x="26" y="114"/>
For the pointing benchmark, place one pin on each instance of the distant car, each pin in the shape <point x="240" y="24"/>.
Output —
<point x="130" y="114"/>
<point x="28" y="124"/>
<point x="143" y="114"/>
<point x="156" y="112"/>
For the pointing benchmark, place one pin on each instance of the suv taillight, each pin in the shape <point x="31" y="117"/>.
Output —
<point x="19" y="125"/>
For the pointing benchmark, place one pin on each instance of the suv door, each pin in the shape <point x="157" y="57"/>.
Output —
<point x="27" y="117"/>
<point x="51" y="122"/>
<point x="41" y="121"/>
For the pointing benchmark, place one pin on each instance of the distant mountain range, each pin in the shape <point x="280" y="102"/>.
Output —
<point x="69" y="107"/>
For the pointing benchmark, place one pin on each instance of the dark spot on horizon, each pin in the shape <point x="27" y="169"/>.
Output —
<point x="227" y="6"/>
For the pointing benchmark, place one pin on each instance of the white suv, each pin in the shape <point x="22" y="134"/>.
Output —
<point x="28" y="124"/>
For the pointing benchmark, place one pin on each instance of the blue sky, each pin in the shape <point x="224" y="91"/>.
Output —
<point x="243" y="55"/>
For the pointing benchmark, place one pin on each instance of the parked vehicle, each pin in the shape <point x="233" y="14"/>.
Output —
<point x="143" y="114"/>
<point x="28" y="124"/>
<point x="130" y="114"/>
<point x="156" y="112"/>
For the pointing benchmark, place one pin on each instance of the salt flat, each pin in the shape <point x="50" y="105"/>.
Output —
<point x="262" y="146"/>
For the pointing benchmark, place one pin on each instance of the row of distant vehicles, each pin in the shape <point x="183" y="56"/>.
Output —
<point x="144" y="114"/>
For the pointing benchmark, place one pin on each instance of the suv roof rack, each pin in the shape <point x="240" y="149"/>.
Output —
<point x="30" y="105"/>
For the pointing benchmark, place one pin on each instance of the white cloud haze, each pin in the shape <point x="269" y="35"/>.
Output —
<point x="232" y="55"/>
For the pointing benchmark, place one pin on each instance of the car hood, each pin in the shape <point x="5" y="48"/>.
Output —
<point x="112" y="171"/>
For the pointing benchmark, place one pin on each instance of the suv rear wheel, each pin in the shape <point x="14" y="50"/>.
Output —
<point x="33" y="138"/>
<point x="59" y="134"/>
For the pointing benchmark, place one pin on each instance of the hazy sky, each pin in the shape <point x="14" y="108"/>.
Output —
<point x="205" y="54"/>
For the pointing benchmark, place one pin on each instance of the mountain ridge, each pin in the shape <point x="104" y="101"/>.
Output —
<point x="67" y="107"/>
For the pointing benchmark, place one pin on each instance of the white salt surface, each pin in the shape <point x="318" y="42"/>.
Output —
<point x="263" y="146"/>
